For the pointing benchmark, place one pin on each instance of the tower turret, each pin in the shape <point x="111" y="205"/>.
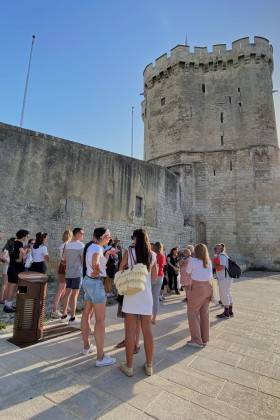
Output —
<point x="209" y="101"/>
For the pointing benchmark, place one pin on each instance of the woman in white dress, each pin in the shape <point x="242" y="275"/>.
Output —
<point x="139" y="304"/>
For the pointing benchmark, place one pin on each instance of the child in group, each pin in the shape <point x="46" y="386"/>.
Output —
<point x="185" y="277"/>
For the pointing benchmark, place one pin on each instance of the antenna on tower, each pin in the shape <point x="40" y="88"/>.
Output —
<point x="186" y="41"/>
<point x="26" y="83"/>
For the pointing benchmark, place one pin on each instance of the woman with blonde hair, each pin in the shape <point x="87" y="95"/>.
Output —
<point x="66" y="237"/>
<point x="200" y="269"/>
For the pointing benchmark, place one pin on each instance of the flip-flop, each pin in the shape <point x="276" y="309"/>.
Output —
<point x="121" y="345"/>
<point x="136" y="349"/>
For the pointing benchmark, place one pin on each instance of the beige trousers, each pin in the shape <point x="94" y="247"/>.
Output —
<point x="198" y="311"/>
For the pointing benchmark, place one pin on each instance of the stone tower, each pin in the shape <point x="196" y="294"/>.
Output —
<point x="209" y="117"/>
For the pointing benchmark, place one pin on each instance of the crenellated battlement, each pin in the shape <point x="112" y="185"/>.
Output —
<point x="219" y="58"/>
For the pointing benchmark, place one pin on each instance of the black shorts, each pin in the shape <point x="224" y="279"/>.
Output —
<point x="13" y="273"/>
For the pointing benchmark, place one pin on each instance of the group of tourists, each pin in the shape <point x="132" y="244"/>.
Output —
<point x="93" y="265"/>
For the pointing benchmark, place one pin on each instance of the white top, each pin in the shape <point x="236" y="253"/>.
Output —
<point x="142" y="302"/>
<point x="38" y="254"/>
<point x="221" y="275"/>
<point x="197" y="271"/>
<point x="28" y="259"/>
<point x="96" y="249"/>
<point x="5" y="265"/>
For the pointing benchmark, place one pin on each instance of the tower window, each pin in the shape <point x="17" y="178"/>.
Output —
<point x="238" y="90"/>
<point x="230" y="165"/>
<point x="229" y="99"/>
<point x="222" y="117"/>
<point x="138" y="206"/>
<point x="240" y="106"/>
<point x="214" y="172"/>
<point x="203" y="87"/>
<point x="222" y="140"/>
<point x="162" y="101"/>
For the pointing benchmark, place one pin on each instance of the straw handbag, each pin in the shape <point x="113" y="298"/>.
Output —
<point x="215" y="291"/>
<point x="132" y="280"/>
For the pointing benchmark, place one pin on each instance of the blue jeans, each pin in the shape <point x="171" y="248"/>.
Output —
<point x="94" y="290"/>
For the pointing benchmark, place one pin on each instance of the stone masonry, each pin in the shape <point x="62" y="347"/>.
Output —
<point x="52" y="184"/>
<point x="209" y="117"/>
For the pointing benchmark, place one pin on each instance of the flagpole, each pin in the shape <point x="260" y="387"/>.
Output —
<point x="26" y="83"/>
<point x="132" y="131"/>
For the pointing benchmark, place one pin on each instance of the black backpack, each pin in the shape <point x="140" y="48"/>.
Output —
<point x="111" y="267"/>
<point x="233" y="269"/>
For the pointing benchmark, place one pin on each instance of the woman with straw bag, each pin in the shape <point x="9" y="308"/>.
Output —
<point x="139" y="304"/>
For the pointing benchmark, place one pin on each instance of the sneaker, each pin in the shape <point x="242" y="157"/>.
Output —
<point x="185" y="300"/>
<point x="106" y="361"/>
<point x="223" y="316"/>
<point x="177" y="293"/>
<point x="126" y="370"/>
<point x="160" y="299"/>
<point x="148" y="369"/>
<point x="192" y="344"/>
<point x="91" y="349"/>
<point x="76" y="323"/>
<point x="220" y="303"/>
<point x="64" y="318"/>
<point x="231" y="314"/>
<point x="56" y="314"/>
<point x="9" y="310"/>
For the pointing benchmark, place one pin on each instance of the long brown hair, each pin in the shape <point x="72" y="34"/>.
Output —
<point x="201" y="253"/>
<point x="143" y="247"/>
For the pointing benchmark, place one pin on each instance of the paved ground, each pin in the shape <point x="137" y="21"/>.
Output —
<point x="237" y="376"/>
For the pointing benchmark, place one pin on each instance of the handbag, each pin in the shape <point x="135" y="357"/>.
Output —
<point x="108" y="284"/>
<point x="215" y="291"/>
<point x="132" y="280"/>
<point x="62" y="264"/>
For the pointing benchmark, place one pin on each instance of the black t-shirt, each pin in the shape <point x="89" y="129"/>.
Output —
<point x="15" y="255"/>
<point x="173" y="261"/>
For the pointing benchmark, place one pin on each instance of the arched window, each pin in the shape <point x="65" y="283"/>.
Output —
<point x="201" y="233"/>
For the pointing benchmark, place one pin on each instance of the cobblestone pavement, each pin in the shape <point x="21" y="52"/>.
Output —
<point x="237" y="376"/>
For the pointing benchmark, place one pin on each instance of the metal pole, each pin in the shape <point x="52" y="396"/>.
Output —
<point x="26" y="83"/>
<point x="132" y="131"/>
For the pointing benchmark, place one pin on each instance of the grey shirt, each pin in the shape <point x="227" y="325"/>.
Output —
<point x="73" y="254"/>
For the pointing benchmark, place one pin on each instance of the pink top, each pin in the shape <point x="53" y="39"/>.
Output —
<point x="185" y="278"/>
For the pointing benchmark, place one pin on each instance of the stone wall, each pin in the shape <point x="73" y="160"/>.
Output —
<point x="49" y="184"/>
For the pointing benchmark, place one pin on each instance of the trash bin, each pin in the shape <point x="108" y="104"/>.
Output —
<point x="30" y="307"/>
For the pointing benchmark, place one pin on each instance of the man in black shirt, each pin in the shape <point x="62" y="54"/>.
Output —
<point x="16" y="266"/>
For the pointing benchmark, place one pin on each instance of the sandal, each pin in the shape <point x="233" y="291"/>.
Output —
<point x="121" y="345"/>
<point x="136" y="349"/>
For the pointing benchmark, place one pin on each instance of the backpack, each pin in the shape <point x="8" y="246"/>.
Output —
<point x="233" y="269"/>
<point x="111" y="267"/>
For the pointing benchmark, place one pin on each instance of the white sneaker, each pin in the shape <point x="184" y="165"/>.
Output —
<point x="91" y="349"/>
<point x="106" y="361"/>
<point x="195" y="345"/>
<point x="76" y="323"/>
<point x="56" y="314"/>
<point x="66" y="319"/>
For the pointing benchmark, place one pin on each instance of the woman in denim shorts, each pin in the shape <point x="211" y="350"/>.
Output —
<point x="95" y="297"/>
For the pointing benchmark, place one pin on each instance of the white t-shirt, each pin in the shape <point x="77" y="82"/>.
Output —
<point x="96" y="249"/>
<point x="197" y="271"/>
<point x="38" y="254"/>
<point x="221" y="275"/>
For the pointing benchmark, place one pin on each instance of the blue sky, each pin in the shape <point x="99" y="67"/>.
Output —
<point x="89" y="57"/>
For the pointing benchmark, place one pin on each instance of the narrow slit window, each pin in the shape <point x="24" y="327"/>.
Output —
<point x="162" y="101"/>
<point x="222" y="140"/>
<point x="230" y="165"/>
<point x="239" y="90"/>
<point x="229" y="99"/>
<point x="138" y="206"/>
<point x="203" y="87"/>
<point x="214" y="172"/>
<point x="240" y="106"/>
<point x="222" y="117"/>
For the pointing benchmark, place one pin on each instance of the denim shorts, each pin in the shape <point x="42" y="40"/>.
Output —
<point x="74" y="283"/>
<point x="94" y="290"/>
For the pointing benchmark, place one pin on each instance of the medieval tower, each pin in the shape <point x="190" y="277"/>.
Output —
<point x="209" y="117"/>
